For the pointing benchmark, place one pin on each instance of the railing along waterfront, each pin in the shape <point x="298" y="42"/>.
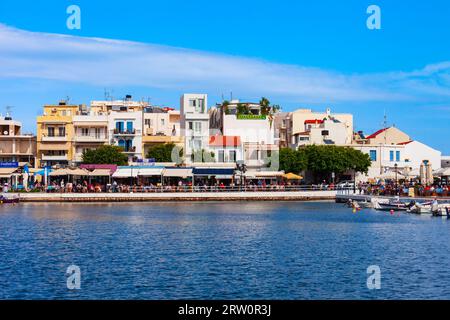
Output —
<point x="199" y="189"/>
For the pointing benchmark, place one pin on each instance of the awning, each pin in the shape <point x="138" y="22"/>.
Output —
<point x="177" y="172"/>
<point x="78" y="172"/>
<point x="148" y="172"/>
<point x="212" y="172"/>
<point x="58" y="173"/>
<point x="100" y="173"/>
<point x="7" y="172"/>
<point x="292" y="176"/>
<point x="268" y="174"/>
<point x="125" y="173"/>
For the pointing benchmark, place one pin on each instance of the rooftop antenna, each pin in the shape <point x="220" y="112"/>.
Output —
<point x="107" y="94"/>
<point x="8" y="110"/>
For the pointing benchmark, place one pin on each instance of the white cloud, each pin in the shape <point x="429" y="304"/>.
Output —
<point x="103" y="62"/>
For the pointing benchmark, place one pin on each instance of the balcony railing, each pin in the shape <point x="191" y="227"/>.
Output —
<point x="54" y="157"/>
<point x="129" y="150"/>
<point x="90" y="138"/>
<point x="124" y="132"/>
<point x="54" y="137"/>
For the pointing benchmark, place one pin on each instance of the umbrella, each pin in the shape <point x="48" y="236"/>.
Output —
<point x="292" y="176"/>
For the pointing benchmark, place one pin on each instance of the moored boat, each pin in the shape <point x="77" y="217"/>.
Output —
<point x="5" y="200"/>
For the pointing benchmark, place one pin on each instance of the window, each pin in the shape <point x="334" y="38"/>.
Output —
<point x="197" y="144"/>
<point x="221" y="156"/>
<point x="200" y="106"/>
<point x="163" y="122"/>
<point x="397" y="156"/>
<point x="62" y="131"/>
<point x="391" y="156"/>
<point x="192" y="103"/>
<point x="119" y="126"/>
<point x="373" y="155"/>
<point x="129" y="126"/>
<point x="191" y="125"/>
<point x="232" y="155"/>
<point x="304" y="138"/>
<point x="84" y="132"/>
<point x="148" y="122"/>
<point x="51" y="131"/>
<point x="197" y="127"/>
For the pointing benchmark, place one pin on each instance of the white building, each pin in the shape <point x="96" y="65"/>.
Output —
<point x="125" y="131"/>
<point x="90" y="132"/>
<point x="256" y="131"/>
<point x="226" y="148"/>
<point x="125" y="123"/>
<point x="14" y="145"/>
<point x="194" y="123"/>
<point x="392" y="150"/>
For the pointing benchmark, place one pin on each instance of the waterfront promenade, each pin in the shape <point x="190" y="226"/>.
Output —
<point x="179" y="196"/>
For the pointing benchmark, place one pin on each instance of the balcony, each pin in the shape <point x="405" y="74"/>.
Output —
<point x="118" y="132"/>
<point x="53" y="138"/>
<point x="90" y="138"/>
<point x="129" y="150"/>
<point x="54" y="157"/>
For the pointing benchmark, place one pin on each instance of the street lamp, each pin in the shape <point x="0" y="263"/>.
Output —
<point x="354" y="179"/>
<point x="241" y="167"/>
<point x="396" y="173"/>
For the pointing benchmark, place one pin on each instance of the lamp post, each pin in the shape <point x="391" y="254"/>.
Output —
<point x="354" y="179"/>
<point x="241" y="167"/>
<point x="396" y="173"/>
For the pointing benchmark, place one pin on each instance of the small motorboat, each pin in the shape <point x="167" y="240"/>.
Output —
<point x="5" y="200"/>
<point x="441" y="211"/>
<point x="420" y="208"/>
<point x="391" y="205"/>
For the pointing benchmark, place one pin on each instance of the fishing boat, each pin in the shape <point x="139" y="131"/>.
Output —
<point x="442" y="210"/>
<point x="5" y="200"/>
<point x="390" y="205"/>
<point x="420" y="208"/>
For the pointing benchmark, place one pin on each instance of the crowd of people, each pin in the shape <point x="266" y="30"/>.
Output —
<point x="404" y="189"/>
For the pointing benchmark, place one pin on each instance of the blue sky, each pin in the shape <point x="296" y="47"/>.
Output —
<point x="299" y="54"/>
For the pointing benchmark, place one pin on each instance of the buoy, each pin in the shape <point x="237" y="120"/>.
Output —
<point x="392" y="211"/>
<point x="354" y="210"/>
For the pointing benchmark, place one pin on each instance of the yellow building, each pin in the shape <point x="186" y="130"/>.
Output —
<point x="55" y="132"/>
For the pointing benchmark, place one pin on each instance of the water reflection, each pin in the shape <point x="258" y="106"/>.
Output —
<point x="256" y="250"/>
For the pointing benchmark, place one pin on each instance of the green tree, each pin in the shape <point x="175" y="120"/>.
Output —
<point x="105" y="155"/>
<point x="242" y="108"/>
<point x="225" y="105"/>
<point x="291" y="161"/>
<point x="323" y="160"/>
<point x="163" y="152"/>
<point x="265" y="106"/>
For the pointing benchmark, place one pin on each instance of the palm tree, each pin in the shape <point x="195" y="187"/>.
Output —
<point x="265" y="106"/>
